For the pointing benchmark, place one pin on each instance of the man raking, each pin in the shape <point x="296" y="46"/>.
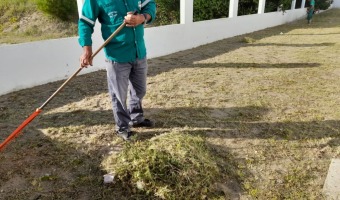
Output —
<point x="126" y="62"/>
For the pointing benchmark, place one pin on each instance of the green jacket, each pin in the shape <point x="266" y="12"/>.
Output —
<point x="129" y="43"/>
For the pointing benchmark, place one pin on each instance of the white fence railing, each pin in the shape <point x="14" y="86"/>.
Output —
<point x="35" y="63"/>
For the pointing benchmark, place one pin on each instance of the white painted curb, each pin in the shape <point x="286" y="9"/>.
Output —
<point x="331" y="187"/>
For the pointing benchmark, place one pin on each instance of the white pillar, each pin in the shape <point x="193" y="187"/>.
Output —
<point x="262" y="5"/>
<point x="233" y="8"/>
<point x="187" y="11"/>
<point x="303" y="3"/>
<point x="80" y="6"/>
<point x="293" y="5"/>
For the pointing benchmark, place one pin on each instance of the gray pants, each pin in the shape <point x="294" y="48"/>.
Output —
<point x="120" y="78"/>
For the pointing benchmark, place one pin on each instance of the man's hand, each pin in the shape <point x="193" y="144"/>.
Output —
<point x="85" y="58"/>
<point x="132" y="20"/>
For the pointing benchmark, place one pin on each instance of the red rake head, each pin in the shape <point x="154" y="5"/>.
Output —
<point x="19" y="129"/>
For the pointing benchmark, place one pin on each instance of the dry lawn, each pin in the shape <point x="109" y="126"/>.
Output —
<point x="268" y="102"/>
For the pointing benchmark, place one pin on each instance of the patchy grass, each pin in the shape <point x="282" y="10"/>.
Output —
<point x="14" y="9"/>
<point x="20" y="21"/>
<point x="262" y="113"/>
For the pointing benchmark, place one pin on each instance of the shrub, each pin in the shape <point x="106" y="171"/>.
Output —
<point x="322" y="4"/>
<point x="214" y="9"/>
<point x="168" y="12"/>
<point x="63" y="9"/>
<point x="248" y="7"/>
<point x="273" y="5"/>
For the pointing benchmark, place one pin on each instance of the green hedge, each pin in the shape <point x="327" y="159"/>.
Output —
<point x="272" y="5"/>
<point x="322" y="4"/>
<point x="168" y="12"/>
<point x="213" y="9"/>
<point x="248" y="7"/>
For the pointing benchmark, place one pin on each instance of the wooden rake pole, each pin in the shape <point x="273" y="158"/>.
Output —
<point x="17" y="131"/>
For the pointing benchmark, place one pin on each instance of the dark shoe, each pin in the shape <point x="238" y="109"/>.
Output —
<point x="125" y="134"/>
<point x="145" y="123"/>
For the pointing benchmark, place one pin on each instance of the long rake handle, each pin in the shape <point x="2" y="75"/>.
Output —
<point x="17" y="131"/>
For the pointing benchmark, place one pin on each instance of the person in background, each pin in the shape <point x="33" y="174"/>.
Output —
<point x="310" y="11"/>
<point x="125" y="55"/>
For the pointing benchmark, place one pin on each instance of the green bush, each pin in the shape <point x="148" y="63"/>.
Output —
<point x="213" y="9"/>
<point x="168" y="12"/>
<point x="273" y="5"/>
<point x="248" y="7"/>
<point x="322" y="4"/>
<point x="63" y="9"/>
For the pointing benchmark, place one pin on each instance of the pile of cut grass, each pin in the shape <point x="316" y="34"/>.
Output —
<point x="175" y="165"/>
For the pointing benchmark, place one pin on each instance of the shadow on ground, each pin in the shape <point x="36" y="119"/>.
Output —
<point x="235" y="122"/>
<point x="35" y="166"/>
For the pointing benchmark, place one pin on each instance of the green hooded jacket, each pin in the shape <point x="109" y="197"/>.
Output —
<point x="129" y="43"/>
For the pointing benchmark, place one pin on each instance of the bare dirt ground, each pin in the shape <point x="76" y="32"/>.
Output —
<point x="270" y="100"/>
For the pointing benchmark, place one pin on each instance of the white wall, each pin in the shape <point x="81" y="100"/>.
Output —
<point x="336" y="4"/>
<point x="30" y="64"/>
<point x="173" y="38"/>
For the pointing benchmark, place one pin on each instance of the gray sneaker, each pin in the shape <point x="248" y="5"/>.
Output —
<point x="125" y="134"/>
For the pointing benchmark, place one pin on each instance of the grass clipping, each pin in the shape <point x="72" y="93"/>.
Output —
<point x="171" y="166"/>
